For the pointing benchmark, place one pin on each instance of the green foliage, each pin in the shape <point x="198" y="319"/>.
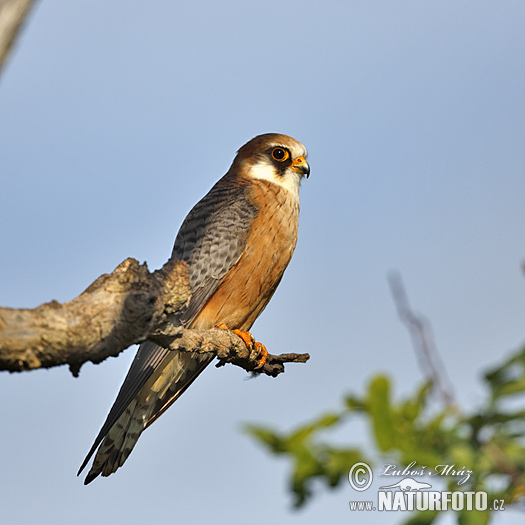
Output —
<point x="509" y="378"/>
<point x="489" y="442"/>
<point x="311" y="459"/>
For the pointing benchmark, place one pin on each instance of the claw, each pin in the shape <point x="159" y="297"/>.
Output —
<point x="248" y="338"/>
<point x="251" y="344"/>
<point x="261" y="349"/>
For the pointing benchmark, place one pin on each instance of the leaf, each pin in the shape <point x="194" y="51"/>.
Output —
<point x="267" y="437"/>
<point x="509" y="378"/>
<point x="338" y="464"/>
<point x="473" y="517"/>
<point x="422" y="518"/>
<point x="303" y="433"/>
<point x="378" y="403"/>
<point x="463" y="455"/>
<point x="354" y="403"/>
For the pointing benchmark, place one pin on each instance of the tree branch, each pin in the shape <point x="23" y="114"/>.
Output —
<point x="123" y="308"/>
<point x="422" y="340"/>
<point x="227" y="346"/>
<point x="13" y="13"/>
<point x="116" y="311"/>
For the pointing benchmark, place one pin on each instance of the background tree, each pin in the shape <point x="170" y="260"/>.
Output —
<point x="429" y="428"/>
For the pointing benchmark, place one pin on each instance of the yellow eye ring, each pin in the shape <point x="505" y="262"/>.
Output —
<point x="280" y="154"/>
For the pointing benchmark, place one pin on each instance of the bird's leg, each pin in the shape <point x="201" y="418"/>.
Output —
<point x="250" y="343"/>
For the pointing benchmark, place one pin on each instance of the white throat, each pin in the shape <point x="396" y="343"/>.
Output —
<point x="290" y="180"/>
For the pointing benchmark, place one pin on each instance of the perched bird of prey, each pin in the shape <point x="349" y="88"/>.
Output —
<point x="237" y="241"/>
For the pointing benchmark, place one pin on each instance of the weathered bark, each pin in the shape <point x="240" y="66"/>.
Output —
<point x="12" y="16"/>
<point x="227" y="346"/>
<point x="116" y="311"/>
<point x="123" y="308"/>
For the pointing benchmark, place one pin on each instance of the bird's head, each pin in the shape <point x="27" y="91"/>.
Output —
<point x="276" y="158"/>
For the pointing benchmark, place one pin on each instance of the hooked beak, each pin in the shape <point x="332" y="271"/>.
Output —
<point x="299" y="164"/>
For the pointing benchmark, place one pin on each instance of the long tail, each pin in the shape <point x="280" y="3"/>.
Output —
<point x="171" y="378"/>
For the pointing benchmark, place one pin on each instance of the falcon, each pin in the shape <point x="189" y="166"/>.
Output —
<point x="237" y="241"/>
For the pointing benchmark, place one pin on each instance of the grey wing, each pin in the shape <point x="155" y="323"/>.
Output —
<point x="211" y="240"/>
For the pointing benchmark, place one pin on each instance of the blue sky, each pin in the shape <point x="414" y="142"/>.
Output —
<point x="116" y="117"/>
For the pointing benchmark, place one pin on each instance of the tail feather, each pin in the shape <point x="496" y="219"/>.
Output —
<point x="119" y="441"/>
<point x="165" y="387"/>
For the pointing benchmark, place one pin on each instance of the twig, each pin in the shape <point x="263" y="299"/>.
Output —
<point x="422" y="339"/>
<point x="227" y="346"/>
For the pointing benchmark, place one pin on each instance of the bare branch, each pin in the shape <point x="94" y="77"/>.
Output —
<point x="227" y="346"/>
<point x="123" y="308"/>
<point x="422" y="339"/>
<point x="13" y="13"/>
<point x="116" y="311"/>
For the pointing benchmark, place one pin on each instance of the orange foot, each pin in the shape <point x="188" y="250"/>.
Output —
<point x="250" y="343"/>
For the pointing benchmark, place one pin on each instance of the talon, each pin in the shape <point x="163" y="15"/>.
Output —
<point x="248" y="338"/>
<point x="261" y="349"/>
<point x="251" y="344"/>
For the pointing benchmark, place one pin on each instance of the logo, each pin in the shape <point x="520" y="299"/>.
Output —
<point x="360" y="476"/>
<point x="410" y="494"/>
<point x="408" y="484"/>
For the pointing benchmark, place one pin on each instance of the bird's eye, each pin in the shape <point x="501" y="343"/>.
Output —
<point x="280" y="154"/>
